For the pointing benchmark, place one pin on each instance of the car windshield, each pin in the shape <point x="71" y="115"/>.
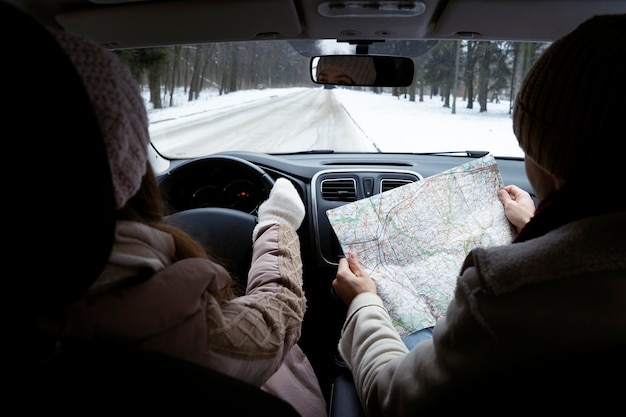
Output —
<point x="259" y="96"/>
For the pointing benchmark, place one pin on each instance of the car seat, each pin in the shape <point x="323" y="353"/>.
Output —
<point x="61" y="222"/>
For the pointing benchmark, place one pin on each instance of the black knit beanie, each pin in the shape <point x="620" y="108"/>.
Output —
<point x="570" y="113"/>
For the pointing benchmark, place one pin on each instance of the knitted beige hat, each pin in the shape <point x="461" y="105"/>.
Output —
<point x="119" y="107"/>
<point x="570" y="113"/>
<point x="361" y="70"/>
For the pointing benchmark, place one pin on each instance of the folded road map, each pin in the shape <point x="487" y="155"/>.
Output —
<point x="413" y="239"/>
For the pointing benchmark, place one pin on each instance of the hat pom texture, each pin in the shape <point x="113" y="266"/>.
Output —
<point x="569" y="115"/>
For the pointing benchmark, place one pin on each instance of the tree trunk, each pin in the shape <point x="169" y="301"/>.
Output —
<point x="446" y="93"/>
<point x="175" y="65"/>
<point x="154" y="84"/>
<point x="483" y="75"/>
<point x="470" y="64"/>
<point x="194" y="83"/>
<point x="455" y="85"/>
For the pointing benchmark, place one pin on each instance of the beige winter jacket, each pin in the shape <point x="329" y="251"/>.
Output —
<point x="178" y="311"/>
<point x="549" y="295"/>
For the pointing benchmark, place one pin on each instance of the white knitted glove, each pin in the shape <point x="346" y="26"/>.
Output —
<point x="284" y="205"/>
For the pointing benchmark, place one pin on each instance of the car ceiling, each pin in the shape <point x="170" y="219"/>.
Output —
<point x="127" y="24"/>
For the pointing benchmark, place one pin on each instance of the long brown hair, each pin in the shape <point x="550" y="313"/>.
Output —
<point x="146" y="206"/>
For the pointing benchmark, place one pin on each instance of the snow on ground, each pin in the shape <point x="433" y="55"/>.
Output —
<point x="395" y="124"/>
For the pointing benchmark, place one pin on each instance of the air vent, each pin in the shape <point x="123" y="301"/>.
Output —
<point x="389" y="184"/>
<point x="341" y="189"/>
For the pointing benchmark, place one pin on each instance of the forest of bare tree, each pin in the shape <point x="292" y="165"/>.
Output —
<point x="477" y="71"/>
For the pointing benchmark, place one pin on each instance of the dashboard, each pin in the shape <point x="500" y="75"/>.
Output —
<point x="242" y="181"/>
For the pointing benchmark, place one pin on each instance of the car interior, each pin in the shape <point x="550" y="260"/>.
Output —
<point x="46" y="376"/>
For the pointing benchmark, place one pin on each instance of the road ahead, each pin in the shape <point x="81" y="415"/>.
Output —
<point x="304" y="120"/>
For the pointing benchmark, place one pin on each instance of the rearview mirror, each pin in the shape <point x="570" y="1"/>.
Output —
<point x="362" y="70"/>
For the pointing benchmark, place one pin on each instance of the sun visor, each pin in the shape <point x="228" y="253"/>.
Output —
<point x="147" y="23"/>
<point x="466" y="19"/>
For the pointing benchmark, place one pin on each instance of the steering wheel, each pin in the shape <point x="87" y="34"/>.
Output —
<point x="225" y="232"/>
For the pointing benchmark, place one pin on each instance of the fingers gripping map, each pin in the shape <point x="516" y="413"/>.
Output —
<point x="413" y="239"/>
